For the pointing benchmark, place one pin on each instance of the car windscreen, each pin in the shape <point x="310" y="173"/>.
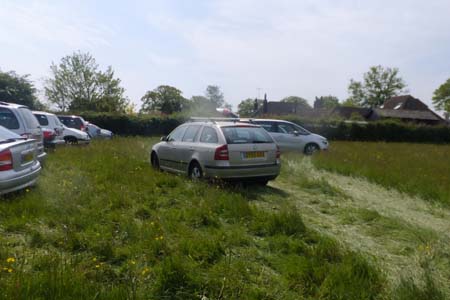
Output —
<point x="242" y="134"/>
<point x="29" y="118"/>
<point x="42" y="119"/>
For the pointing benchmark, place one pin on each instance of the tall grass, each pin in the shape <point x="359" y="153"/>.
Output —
<point x="416" y="169"/>
<point x="101" y="224"/>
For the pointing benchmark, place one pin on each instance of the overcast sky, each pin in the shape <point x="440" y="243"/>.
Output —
<point x="305" y="48"/>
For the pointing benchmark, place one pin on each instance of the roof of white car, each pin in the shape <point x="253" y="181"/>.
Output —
<point x="43" y="113"/>
<point x="14" y="105"/>
<point x="268" y="120"/>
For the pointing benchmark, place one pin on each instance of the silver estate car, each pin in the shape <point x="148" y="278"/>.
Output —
<point x="290" y="136"/>
<point x="19" y="167"/>
<point x="219" y="149"/>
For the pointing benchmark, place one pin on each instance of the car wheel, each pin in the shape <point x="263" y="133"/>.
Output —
<point x="155" y="161"/>
<point x="195" y="171"/>
<point x="71" y="140"/>
<point x="262" y="182"/>
<point x="310" y="149"/>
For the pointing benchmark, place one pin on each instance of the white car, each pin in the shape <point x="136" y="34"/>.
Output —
<point x="291" y="137"/>
<point x="51" y="127"/>
<point x="74" y="136"/>
<point x="96" y="132"/>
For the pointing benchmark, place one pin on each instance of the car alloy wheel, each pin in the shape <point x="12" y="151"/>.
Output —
<point x="196" y="172"/>
<point x="311" y="149"/>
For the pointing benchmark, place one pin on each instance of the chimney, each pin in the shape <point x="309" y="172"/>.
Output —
<point x="265" y="104"/>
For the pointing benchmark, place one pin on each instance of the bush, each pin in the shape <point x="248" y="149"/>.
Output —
<point x="388" y="131"/>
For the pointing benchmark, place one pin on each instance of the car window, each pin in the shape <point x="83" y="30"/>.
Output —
<point x="42" y="119"/>
<point x="286" y="128"/>
<point x="268" y="126"/>
<point x="301" y="130"/>
<point x="29" y="118"/>
<point x="191" y="133"/>
<point x="177" y="134"/>
<point x="8" y="119"/>
<point x="209" y="135"/>
<point x="71" y="122"/>
<point x="246" y="135"/>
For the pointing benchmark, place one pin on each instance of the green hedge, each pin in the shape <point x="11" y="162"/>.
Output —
<point x="392" y="131"/>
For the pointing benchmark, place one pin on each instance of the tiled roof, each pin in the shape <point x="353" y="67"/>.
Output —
<point x="407" y="114"/>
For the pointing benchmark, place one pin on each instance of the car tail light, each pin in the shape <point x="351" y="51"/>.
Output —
<point x="221" y="153"/>
<point x="83" y="128"/>
<point x="49" y="134"/>
<point x="278" y="152"/>
<point x="6" y="160"/>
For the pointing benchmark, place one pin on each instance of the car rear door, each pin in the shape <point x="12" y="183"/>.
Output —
<point x="288" y="138"/>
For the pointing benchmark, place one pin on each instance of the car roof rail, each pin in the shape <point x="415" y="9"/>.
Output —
<point x="213" y="120"/>
<point x="4" y="103"/>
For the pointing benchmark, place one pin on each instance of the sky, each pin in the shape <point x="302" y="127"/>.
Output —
<point x="305" y="48"/>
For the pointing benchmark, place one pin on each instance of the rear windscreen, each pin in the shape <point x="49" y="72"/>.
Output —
<point x="246" y="135"/>
<point x="42" y="119"/>
<point x="8" y="119"/>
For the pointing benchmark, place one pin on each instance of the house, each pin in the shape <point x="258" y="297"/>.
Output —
<point x="408" y="109"/>
<point x="278" y="108"/>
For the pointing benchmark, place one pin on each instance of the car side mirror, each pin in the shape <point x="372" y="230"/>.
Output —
<point x="296" y="133"/>
<point x="163" y="139"/>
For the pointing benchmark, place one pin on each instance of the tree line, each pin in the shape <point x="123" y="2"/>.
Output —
<point x="78" y="84"/>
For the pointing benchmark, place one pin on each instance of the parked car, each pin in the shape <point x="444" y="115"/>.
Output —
<point x="96" y="132"/>
<point x="19" y="119"/>
<point x="290" y="136"/>
<point x="215" y="149"/>
<point x="76" y="122"/>
<point x="19" y="167"/>
<point x="52" y="128"/>
<point x="74" y="136"/>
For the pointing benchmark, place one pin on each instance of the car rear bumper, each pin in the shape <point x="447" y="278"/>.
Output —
<point x="14" y="180"/>
<point x="266" y="171"/>
<point x="41" y="157"/>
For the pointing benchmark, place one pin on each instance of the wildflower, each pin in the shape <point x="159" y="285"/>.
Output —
<point x="10" y="260"/>
<point x="161" y="237"/>
<point x="10" y="270"/>
<point x="145" y="271"/>
<point x="133" y="262"/>
<point x="27" y="190"/>
<point x="152" y="223"/>
<point x="97" y="266"/>
<point x="94" y="259"/>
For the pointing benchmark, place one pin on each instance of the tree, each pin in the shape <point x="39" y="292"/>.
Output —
<point x="164" y="98"/>
<point x="18" y="89"/>
<point x="301" y="102"/>
<point x="215" y="95"/>
<point x="246" y="108"/>
<point x="379" y="85"/>
<point x="441" y="97"/>
<point x="326" y="102"/>
<point x="78" y="85"/>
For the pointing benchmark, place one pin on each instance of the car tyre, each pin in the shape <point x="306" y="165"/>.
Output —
<point x="195" y="171"/>
<point x="71" y="140"/>
<point x="155" y="161"/>
<point x="310" y="149"/>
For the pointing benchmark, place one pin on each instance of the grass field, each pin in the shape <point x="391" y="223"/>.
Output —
<point x="101" y="224"/>
<point x="416" y="169"/>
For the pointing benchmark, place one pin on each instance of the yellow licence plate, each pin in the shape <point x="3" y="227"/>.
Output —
<point x="254" y="154"/>
<point x="27" y="157"/>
